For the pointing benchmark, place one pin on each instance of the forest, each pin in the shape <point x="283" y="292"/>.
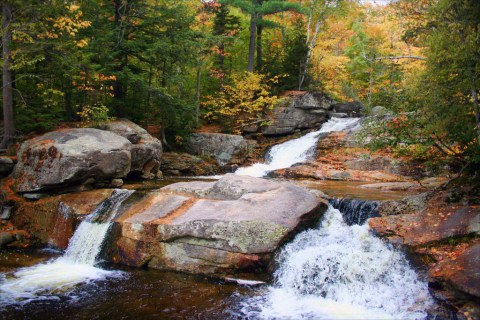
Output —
<point x="240" y="159"/>
<point x="180" y="65"/>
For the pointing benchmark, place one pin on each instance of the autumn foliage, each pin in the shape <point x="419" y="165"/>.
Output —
<point x="246" y="101"/>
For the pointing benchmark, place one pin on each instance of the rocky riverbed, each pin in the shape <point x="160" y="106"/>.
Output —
<point x="238" y="223"/>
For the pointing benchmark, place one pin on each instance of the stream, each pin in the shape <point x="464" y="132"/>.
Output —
<point x="337" y="270"/>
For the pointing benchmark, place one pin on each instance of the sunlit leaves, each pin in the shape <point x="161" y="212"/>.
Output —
<point x="247" y="100"/>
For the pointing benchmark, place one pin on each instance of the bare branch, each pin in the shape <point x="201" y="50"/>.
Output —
<point x="399" y="57"/>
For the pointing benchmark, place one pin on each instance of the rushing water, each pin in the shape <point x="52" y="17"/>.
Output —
<point x="341" y="272"/>
<point x="286" y="154"/>
<point x="355" y="211"/>
<point x="77" y="265"/>
<point x="336" y="271"/>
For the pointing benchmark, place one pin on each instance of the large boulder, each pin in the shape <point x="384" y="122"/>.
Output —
<point x="146" y="150"/>
<point x="380" y="112"/>
<point x="234" y="224"/>
<point x="71" y="157"/>
<point x="352" y="109"/>
<point x="184" y="164"/>
<point x="308" y="110"/>
<point x="226" y="149"/>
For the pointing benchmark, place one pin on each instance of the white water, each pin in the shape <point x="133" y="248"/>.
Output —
<point x="286" y="154"/>
<point x="341" y="272"/>
<point x="76" y="266"/>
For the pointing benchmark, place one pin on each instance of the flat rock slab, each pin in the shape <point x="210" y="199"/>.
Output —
<point x="428" y="226"/>
<point x="234" y="224"/>
<point x="314" y="170"/>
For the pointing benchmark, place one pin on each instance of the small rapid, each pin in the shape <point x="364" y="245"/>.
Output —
<point x="286" y="154"/>
<point x="355" y="211"/>
<point x="339" y="271"/>
<point x="77" y="265"/>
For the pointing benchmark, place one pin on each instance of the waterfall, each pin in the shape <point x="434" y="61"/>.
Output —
<point x="76" y="266"/>
<point x="286" y="154"/>
<point x="87" y="240"/>
<point x="355" y="211"/>
<point x="339" y="271"/>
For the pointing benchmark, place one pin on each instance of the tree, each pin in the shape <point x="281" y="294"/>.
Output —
<point x="33" y="35"/>
<point x="7" y="84"/>
<point x="226" y="26"/>
<point x="258" y="10"/>
<point x="244" y="102"/>
<point x="318" y="11"/>
<point x="453" y="67"/>
<point x="440" y="111"/>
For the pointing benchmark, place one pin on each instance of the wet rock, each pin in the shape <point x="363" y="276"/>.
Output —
<point x="466" y="277"/>
<point x="428" y="226"/>
<point x="6" y="166"/>
<point x="35" y="196"/>
<point x="236" y="223"/>
<point x="408" y="205"/>
<point x="70" y="157"/>
<point x="393" y="186"/>
<point x="372" y="164"/>
<point x="183" y="164"/>
<point x="116" y="183"/>
<point x="6" y="238"/>
<point x="226" y="149"/>
<point x="5" y="211"/>
<point x="316" y="170"/>
<point x="339" y="115"/>
<point x="146" y="150"/>
<point x="443" y="235"/>
<point x="469" y="311"/>
<point x="308" y="110"/>
<point x="53" y="219"/>
<point x="352" y="109"/>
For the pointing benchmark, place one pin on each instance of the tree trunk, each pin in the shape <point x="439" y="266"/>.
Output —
<point x="120" y="58"/>
<point x="7" y="88"/>
<point x="163" y="137"/>
<point x="474" y="95"/>
<point x="197" y="105"/>
<point x="251" y="46"/>
<point x="69" y="114"/>
<point x="259" y="45"/>
<point x="311" y="45"/>
<point x="221" y="63"/>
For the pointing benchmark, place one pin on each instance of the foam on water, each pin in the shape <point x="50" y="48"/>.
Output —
<point x="286" y="154"/>
<point x="341" y="272"/>
<point x="77" y="265"/>
<point x="44" y="281"/>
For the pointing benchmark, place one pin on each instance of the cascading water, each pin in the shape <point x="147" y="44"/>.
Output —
<point x="76" y="266"/>
<point x="286" y="154"/>
<point x="355" y="211"/>
<point x="341" y="272"/>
